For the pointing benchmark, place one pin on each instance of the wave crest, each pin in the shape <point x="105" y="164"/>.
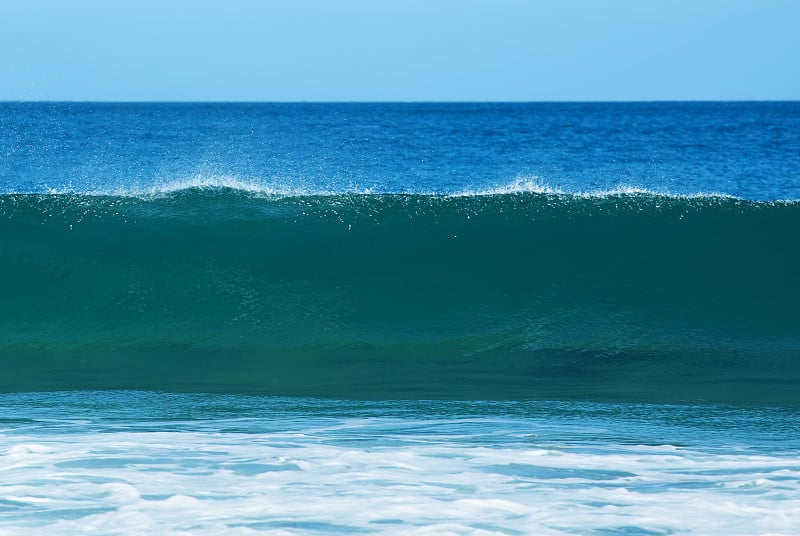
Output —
<point x="535" y="185"/>
<point x="272" y="189"/>
<point x="193" y="183"/>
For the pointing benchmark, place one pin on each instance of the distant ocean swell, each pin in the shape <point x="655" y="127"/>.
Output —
<point x="632" y="296"/>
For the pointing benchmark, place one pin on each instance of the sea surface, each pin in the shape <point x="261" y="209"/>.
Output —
<point x="574" y="318"/>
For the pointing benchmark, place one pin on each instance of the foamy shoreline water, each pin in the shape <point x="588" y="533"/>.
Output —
<point x="429" y="468"/>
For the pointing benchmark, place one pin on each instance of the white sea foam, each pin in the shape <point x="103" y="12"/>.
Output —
<point x="382" y="475"/>
<point x="291" y="188"/>
<point x="535" y="185"/>
<point x="158" y="189"/>
<point x="208" y="182"/>
<point x="530" y="185"/>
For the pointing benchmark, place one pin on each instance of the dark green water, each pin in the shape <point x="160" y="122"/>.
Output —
<point x="622" y="297"/>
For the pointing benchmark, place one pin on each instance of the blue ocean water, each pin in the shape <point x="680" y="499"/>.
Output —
<point x="747" y="150"/>
<point x="400" y="318"/>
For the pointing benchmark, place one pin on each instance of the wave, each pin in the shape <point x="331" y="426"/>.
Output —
<point x="213" y="286"/>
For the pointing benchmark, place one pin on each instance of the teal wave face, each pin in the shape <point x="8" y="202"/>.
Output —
<point x="519" y="295"/>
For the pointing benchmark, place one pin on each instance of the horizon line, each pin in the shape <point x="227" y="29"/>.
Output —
<point x="252" y="101"/>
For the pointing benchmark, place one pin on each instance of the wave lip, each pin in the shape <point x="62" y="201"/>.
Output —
<point x="196" y="183"/>
<point x="281" y="189"/>
<point x="534" y="185"/>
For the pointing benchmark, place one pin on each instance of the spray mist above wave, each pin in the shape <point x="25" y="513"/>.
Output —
<point x="535" y="185"/>
<point x="161" y="189"/>
<point x="283" y="188"/>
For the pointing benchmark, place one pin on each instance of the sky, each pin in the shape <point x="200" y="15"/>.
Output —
<point x="399" y="50"/>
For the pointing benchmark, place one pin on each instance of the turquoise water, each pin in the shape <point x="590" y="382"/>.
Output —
<point x="388" y="318"/>
<point x="623" y="296"/>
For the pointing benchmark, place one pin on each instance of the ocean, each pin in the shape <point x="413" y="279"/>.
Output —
<point x="474" y="318"/>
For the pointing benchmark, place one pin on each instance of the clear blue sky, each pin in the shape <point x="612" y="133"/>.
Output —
<point x="399" y="50"/>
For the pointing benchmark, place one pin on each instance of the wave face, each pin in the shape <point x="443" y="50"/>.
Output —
<point x="518" y="295"/>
